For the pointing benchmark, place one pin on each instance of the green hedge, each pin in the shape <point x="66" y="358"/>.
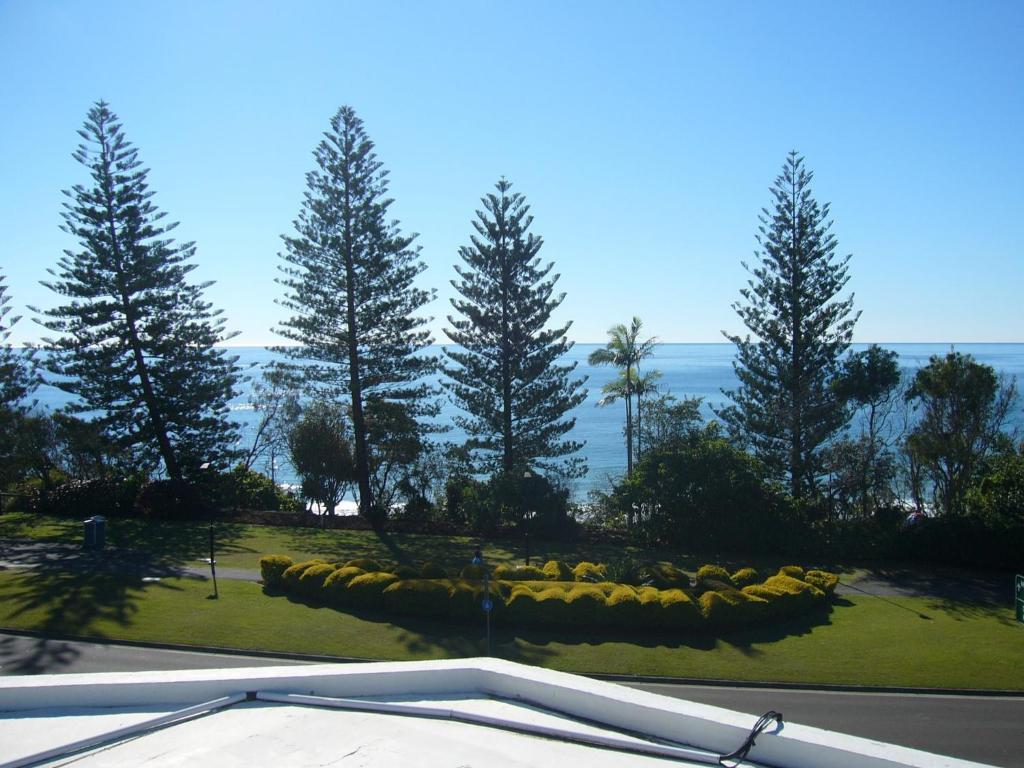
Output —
<point x="667" y="576"/>
<point x="744" y="577"/>
<point x="573" y="604"/>
<point x="713" y="573"/>
<point x="366" y="563"/>
<point x="556" y="570"/>
<point x="272" y="568"/>
<point x="292" y="574"/>
<point x="519" y="573"/>
<point x="431" y="570"/>
<point x="589" y="572"/>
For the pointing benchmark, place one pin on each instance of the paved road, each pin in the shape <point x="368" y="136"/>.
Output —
<point x="985" y="729"/>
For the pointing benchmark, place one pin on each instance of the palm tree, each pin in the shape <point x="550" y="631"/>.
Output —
<point x="624" y="350"/>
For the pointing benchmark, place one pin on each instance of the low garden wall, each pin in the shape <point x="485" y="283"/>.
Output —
<point x="557" y="595"/>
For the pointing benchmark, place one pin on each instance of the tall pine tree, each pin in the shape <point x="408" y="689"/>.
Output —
<point x="350" y="278"/>
<point x="137" y="342"/>
<point x="504" y="375"/>
<point x="17" y="378"/>
<point x="785" y="408"/>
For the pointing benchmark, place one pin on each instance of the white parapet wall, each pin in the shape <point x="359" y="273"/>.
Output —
<point x="616" y="707"/>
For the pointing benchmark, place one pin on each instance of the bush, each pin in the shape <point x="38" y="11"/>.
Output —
<point x="676" y="609"/>
<point x="366" y="563"/>
<point x="623" y="607"/>
<point x="292" y="574"/>
<point x="272" y="568"/>
<point x="519" y="573"/>
<point x="589" y="572"/>
<point x="545" y="608"/>
<point x="429" y="598"/>
<point x="100" y="496"/>
<point x="408" y="572"/>
<point x="790" y="596"/>
<point x="556" y="570"/>
<point x="732" y="608"/>
<point x="717" y="573"/>
<point x="744" y="577"/>
<point x="586" y="606"/>
<point x="336" y="585"/>
<point x="366" y="591"/>
<point x="466" y="601"/>
<point x="667" y="576"/>
<point x="473" y="572"/>
<point x="432" y="570"/>
<point x="170" y="499"/>
<point x="823" y="580"/>
<point x="627" y="570"/>
<point x="312" y="580"/>
<point x="792" y="570"/>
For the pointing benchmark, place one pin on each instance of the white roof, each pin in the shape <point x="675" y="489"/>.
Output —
<point x="472" y="712"/>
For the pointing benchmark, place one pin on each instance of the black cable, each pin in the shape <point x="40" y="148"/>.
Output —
<point x="762" y="722"/>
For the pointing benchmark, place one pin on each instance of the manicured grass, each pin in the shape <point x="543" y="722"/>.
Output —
<point x="862" y="641"/>
<point x="241" y="546"/>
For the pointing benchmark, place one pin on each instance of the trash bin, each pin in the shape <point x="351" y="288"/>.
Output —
<point x="100" y="530"/>
<point x="95" y="532"/>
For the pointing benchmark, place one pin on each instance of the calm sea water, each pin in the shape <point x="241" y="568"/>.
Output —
<point x="688" y="370"/>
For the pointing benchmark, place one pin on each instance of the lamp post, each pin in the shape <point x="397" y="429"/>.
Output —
<point x="213" y="555"/>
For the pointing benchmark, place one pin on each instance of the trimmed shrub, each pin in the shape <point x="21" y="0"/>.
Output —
<point x="792" y="570"/>
<point x="418" y="597"/>
<point x="667" y="576"/>
<point x="586" y="606"/>
<point x="408" y="572"/>
<point x="272" y="568"/>
<point x="732" y="608"/>
<point x="336" y="585"/>
<point x="312" y="580"/>
<point x="465" y="601"/>
<point x="365" y="591"/>
<point x="676" y="610"/>
<point x="794" y="596"/>
<point x="623" y="607"/>
<point x="589" y="572"/>
<point x="171" y="499"/>
<point x="744" y="577"/>
<point x="432" y="570"/>
<point x="713" y="573"/>
<point x="519" y="572"/>
<point x="530" y="608"/>
<point x="823" y="580"/>
<point x="556" y="570"/>
<point x="293" y="573"/>
<point x="473" y="572"/>
<point x="368" y="564"/>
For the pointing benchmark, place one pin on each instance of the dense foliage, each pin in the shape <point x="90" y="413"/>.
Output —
<point x="350" y="278"/>
<point x="785" y="407"/>
<point x="136" y="343"/>
<point x="531" y="596"/>
<point x="503" y="374"/>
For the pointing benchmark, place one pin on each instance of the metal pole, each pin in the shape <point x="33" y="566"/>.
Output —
<point x="213" y="564"/>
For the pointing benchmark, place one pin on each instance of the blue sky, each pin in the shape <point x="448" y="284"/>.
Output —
<point x="645" y="136"/>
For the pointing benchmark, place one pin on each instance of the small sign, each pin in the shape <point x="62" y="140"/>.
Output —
<point x="487" y="604"/>
<point x="1020" y="598"/>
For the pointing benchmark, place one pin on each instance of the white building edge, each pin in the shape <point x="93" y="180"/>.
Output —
<point x="460" y="713"/>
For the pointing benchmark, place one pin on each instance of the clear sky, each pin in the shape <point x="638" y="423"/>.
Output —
<point x="645" y="135"/>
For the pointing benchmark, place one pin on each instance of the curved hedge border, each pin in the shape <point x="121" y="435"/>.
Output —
<point x="720" y="600"/>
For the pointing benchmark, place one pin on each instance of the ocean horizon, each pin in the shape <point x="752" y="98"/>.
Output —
<point x="687" y="370"/>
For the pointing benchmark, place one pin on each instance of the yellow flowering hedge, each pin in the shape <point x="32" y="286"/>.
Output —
<point x="715" y="604"/>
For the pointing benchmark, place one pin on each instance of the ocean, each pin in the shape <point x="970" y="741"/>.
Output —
<point x="687" y="370"/>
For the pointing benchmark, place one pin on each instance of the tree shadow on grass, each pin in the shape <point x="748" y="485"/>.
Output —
<point x="973" y="611"/>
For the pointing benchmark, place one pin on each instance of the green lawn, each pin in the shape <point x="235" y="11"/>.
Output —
<point x="241" y="546"/>
<point x="863" y="640"/>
